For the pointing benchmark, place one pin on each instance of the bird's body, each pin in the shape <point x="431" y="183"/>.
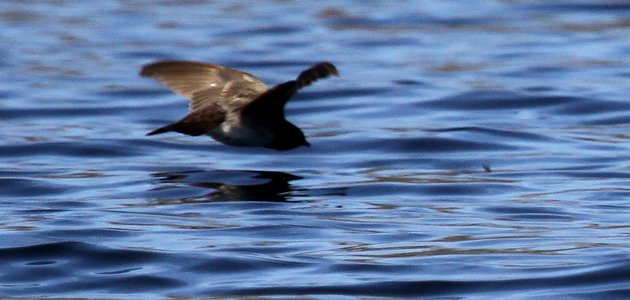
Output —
<point x="234" y="107"/>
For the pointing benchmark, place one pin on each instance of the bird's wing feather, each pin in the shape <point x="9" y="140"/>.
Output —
<point x="317" y="71"/>
<point x="202" y="83"/>
<point x="270" y="104"/>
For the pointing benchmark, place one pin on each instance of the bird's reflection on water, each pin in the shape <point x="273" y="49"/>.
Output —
<point x="224" y="185"/>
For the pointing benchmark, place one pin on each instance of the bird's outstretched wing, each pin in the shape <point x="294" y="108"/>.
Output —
<point x="312" y="74"/>
<point x="270" y="104"/>
<point x="204" y="83"/>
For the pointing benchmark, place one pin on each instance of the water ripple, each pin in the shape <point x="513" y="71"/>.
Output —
<point x="466" y="151"/>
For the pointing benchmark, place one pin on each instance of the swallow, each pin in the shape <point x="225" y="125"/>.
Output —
<point x="234" y="107"/>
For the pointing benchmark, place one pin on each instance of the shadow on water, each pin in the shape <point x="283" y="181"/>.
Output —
<point x="227" y="185"/>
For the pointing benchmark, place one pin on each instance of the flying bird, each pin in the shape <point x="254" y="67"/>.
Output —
<point x="234" y="107"/>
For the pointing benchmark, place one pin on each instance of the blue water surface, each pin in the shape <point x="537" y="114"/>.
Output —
<point x="470" y="149"/>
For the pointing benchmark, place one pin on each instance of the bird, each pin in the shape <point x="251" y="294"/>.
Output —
<point x="232" y="106"/>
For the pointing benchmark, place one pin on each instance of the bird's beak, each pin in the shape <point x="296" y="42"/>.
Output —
<point x="307" y="144"/>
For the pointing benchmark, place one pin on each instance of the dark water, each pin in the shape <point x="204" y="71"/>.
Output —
<point x="475" y="149"/>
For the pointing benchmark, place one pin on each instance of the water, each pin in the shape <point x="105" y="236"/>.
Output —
<point x="469" y="150"/>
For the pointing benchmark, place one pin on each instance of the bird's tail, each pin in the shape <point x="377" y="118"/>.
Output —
<point x="184" y="126"/>
<point x="160" y="130"/>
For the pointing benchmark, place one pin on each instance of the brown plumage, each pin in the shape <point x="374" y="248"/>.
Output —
<point x="234" y="107"/>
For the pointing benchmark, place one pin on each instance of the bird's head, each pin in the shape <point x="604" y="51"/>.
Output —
<point x="288" y="137"/>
